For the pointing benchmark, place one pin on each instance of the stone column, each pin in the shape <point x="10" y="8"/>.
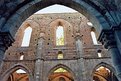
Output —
<point x="117" y="33"/>
<point x="39" y="56"/>
<point x="6" y="41"/>
<point x="79" y="50"/>
<point x="109" y="41"/>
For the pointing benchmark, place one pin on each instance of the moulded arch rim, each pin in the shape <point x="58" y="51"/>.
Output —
<point x="83" y="7"/>
<point x="61" y="66"/>
<point x="7" y="73"/>
<point x="59" y="20"/>
<point x="105" y="65"/>
<point x="29" y="23"/>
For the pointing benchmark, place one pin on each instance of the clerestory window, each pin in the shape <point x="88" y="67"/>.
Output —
<point x="26" y="37"/>
<point x="59" y="36"/>
<point x="93" y="35"/>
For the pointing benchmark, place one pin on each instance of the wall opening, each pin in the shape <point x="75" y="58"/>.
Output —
<point x="93" y="35"/>
<point x="21" y="57"/>
<point x="60" y="55"/>
<point x="61" y="74"/>
<point x="26" y="37"/>
<point x="99" y="53"/>
<point x="59" y="36"/>
<point x="18" y="75"/>
<point x="104" y="74"/>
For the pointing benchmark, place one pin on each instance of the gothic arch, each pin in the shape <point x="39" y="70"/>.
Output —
<point x="24" y="25"/>
<point x="95" y="73"/>
<point x="105" y="65"/>
<point x="87" y="9"/>
<point x="60" y="22"/>
<point x="7" y="73"/>
<point x="61" y="66"/>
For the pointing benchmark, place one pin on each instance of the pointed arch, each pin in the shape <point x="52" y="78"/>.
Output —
<point x="61" y="66"/>
<point x="84" y="7"/>
<point x="14" y="68"/>
<point x="105" y="65"/>
<point x="54" y="26"/>
<point x="104" y="72"/>
<point x="60" y="71"/>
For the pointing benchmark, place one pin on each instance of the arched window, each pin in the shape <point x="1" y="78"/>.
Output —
<point x="60" y="55"/>
<point x="99" y="53"/>
<point x="93" y="35"/>
<point x="26" y="37"/>
<point x="21" y="57"/>
<point x="59" y="36"/>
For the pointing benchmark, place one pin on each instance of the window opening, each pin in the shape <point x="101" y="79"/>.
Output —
<point x="94" y="39"/>
<point x="60" y="55"/>
<point x="59" y="36"/>
<point x="26" y="37"/>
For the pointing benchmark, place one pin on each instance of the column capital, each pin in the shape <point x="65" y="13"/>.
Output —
<point x="6" y="40"/>
<point x="107" y="38"/>
<point x="78" y="36"/>
<point x="42" y="35"/>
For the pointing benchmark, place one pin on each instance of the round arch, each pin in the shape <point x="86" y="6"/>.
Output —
<point x="64" y="67"/>
<point x="27" y="10"/>
<point x="7" y="73"/>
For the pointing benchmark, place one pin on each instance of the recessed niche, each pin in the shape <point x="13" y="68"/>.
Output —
<point x="48" y="43"/>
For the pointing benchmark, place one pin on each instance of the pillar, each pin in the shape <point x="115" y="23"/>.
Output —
<point x="79" y="50"/>
<point x="38" y="57"/>
<point x="109" y="41"/>
<point x="117" y="33"/>
<point x="6" y="41"/>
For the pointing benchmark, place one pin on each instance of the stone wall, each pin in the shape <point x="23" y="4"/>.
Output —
<point x="74" y="24"/>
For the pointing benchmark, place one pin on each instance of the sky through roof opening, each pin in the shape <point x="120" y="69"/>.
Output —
<point x="56" y="9"/>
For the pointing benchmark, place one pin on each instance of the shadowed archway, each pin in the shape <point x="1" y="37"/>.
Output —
<point x="61" y="73"/>
<point x="104" y="72"/>
<point x="18" y="72"/>
<point x="83" y="7"/>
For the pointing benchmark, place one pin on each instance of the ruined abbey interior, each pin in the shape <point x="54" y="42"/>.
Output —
<point x="80" y="46"/>
<point x="70" y="55"/>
